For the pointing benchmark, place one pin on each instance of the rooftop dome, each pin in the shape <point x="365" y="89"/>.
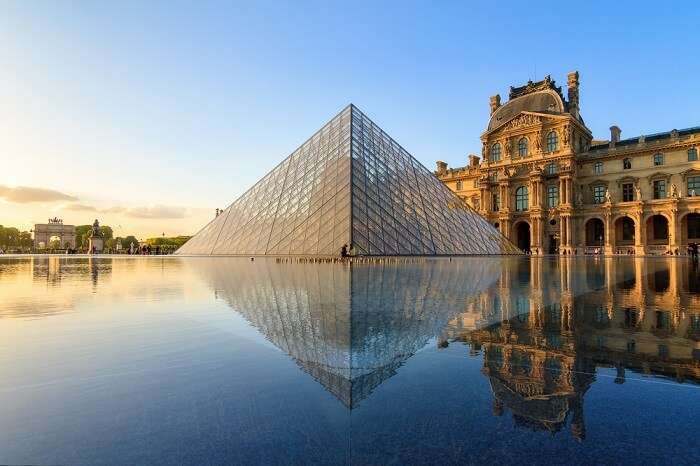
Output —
<point x="543" y="101"/>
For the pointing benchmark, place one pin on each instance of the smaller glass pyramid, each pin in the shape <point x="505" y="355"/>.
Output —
<point x="349" y="184"/>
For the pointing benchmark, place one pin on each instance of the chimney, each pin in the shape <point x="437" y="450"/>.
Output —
<point x="474" y="160"/>
<point x="614" y="135"/>
<point x="573" y="84"/>
<point x="441" y="167"/>
<point x="495" y="102"/>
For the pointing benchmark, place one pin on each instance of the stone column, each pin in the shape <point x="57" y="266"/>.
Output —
<point x="562" y="193"/>
<point x="639" y="235"/>
<point x="562" y="234"/>
<point x="536" y="221"/>
<point x="608" y="233"/>
<point x="674" y="240"/>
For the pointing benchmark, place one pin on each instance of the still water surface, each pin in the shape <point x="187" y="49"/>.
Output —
<point x="225" y="361"/>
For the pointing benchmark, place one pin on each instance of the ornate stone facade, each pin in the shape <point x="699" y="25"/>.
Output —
<point x="551" y="188"/>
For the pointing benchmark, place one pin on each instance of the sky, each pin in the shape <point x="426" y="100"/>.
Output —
<point x="149" y="115"/>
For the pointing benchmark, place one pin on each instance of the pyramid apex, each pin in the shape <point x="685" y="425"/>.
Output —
<point x="323" y="198"/>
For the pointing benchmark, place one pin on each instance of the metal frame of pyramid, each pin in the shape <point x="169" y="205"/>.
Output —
<point x="349" y="184"/>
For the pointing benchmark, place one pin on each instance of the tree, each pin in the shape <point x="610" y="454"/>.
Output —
<point x="81" y="234"/>
<point x="173" y="241"/>
<point x="25" y="240"/>
<point x="126" y="242"/>
<point x="107" y="232"/>
<point x="9" y="237"/>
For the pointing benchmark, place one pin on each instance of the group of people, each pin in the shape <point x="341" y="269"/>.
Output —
<point x="346" y="251"/>
<point x="145" y="250"/>
<point x="693" y="250"/>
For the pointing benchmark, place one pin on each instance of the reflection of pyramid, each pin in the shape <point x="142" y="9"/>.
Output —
<point x="349" y="327"/>
<point x="350" y="183"/>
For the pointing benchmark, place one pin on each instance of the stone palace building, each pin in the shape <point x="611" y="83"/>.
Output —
<point x="550" y="187"/>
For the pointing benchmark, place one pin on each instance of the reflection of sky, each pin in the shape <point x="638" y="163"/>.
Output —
<point x="209" y="370"/>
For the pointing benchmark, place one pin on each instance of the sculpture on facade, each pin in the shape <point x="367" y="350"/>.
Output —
<point x="637" y="192"/>
<point x="608" y="198"/>
<point x="674" y="191"/>
<point x="579" y="198"/>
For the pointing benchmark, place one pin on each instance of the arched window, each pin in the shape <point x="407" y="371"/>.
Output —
<point x="522" y="147"/>
<point x="598" y="168"/>
<point x="521" y="201"/>
<point x="459" y="185"/>
<point x="627" y="164"/>
<point x="552" y="196"/>
<point x="692" y="155"/>
<point x="496" y="152"/>
<point x="552" y="141"/>
<point x="551" y="169"/>
<point x="658" y="159"/>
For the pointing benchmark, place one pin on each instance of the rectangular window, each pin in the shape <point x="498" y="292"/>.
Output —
<point x="459" y="186"/>
<point x="692" y="155"/>
<point x="552" y="196"/>
<point x="627" y="192"/>
<point x="663" y="351"/>
<point x="694" y="186"/>
<point x="660" y="189"/>
<point x="496" y="202"/>
<point x="598" y="194"/>
<point x="598" y="168"/>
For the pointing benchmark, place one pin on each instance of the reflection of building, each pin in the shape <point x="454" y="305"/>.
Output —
<point x="349" y="327"/>
<point x="640" y="316"/>
<point x="549" y="186"/>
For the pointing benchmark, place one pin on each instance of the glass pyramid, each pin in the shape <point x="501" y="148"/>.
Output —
<point x="349" y="184"/>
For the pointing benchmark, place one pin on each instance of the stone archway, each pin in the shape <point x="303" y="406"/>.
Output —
<point x="624" y="233"/>
<point x="690" y="228"/>
<point x="595" y="232"/>
<point x="657" y="227"/>
<point x="523" y="235"/>
<point x="45" y="232"/>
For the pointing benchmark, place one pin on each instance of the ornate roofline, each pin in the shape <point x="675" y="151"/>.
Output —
<point x="541" y="115"/>
<point x="530" y="87"/>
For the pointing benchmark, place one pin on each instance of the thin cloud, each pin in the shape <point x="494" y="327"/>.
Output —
<point x="81" y="207"/>
<point x="144" y="212"/>
<point x="156" y="211"/>
<point x="26" y="194"/>
<point x="114" y="210"/>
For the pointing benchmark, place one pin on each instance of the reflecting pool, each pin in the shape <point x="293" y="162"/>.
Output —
<point x="164" y="360"/>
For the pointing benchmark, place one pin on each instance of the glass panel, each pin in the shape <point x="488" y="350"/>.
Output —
<point x="349" y="180"/>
